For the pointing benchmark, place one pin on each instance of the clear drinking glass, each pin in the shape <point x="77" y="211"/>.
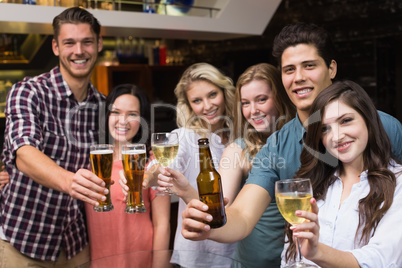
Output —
<point x="292" y="195"/>
<point x="102" y="162"/>
<point x="134" y="159"/>
<point x="165" y="146"/>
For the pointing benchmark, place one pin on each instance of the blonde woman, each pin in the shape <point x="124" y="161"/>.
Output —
<point x="205" y="99"/>
<point x="262" y="108"/>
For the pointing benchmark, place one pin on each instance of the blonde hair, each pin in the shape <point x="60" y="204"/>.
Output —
<point x="253" y="139"/>
<point x="202" y="72"/>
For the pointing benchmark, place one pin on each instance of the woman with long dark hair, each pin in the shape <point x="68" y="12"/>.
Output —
<point x="357" y="185"/>
<point x="116" y="232"/>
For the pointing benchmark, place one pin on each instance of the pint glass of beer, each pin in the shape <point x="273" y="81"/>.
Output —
<point x="134" y="159"/>
<point x="102" y="162"/>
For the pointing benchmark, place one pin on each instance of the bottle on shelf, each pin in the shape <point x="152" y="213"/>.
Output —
<point x="210" y="186"/>
<point x="162" y="53"/>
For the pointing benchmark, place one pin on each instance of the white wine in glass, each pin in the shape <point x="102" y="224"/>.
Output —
<point x="292" y="195"/>
<point x="165" y="146"/>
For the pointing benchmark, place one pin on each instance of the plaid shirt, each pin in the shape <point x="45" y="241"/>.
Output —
<point x="42" y="112"/>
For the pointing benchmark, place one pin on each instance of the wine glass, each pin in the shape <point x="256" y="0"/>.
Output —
<point x="165" y="146"/>
<point x="292" y="195"/>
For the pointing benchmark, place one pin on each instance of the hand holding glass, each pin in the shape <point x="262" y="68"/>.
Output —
<point x="102" y="162"/>
<point x="134" y="158"/>
<point x="165" y="147"/>
<point x="292" y="195"/>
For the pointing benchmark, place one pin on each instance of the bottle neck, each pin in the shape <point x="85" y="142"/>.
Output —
<point x="206" y="162"/>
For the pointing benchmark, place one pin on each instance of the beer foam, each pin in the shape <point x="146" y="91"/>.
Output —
<point x="102" y="152"/>
<point x="134" y="152"/>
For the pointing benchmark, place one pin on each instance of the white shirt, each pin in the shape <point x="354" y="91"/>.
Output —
<point x="338" y="225"/>
<point x="189" y="253"/>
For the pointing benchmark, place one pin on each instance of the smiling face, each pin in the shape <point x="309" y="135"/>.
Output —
<point x="344" y="133"/>
<point x="207" y="101"/>
<point x="124" y="119"/>
<point x="258" y="105"/>
<point x="304" y="76"/>
<point x="77" y="49"/>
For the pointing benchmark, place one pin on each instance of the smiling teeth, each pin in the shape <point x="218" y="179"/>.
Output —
<point x="121" y="129"/>
<point x="343" y="145"/>
<point x="80" y="61"/>
<point x="211" y="113"/>
<point x="259" y="118"/>
<point x="303" y="91"/>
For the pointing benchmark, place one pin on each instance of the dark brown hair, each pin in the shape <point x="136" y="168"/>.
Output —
<point x="145" y="112"/>
<point x="319" y="166"/>
<point x="75" y="15"/>
<point x="302" y="33"/>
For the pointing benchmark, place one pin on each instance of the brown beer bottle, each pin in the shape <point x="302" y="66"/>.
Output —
<point x="210" y="186"/>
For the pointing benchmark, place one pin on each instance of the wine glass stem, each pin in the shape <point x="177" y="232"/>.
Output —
<point x="299" y="255"/>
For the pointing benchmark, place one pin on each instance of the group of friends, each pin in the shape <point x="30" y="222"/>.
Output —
<point x="275" y="124"/>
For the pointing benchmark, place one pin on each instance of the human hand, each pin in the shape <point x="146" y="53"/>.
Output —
<point x="86" y="186"/>
<point x="194" y="218"/>
<point x="149" y="179"/>
<point x="175" y="181"/>
<point x="151" y="175"/>
<point x="123" y="184"/>
<point x="308" y="232"/>
<point x="4" y="178"/>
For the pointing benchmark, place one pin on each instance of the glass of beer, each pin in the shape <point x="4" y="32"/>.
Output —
<point x="165" y="146"/>
<point x="134" y="158"/>
<point x="102" y="162"/>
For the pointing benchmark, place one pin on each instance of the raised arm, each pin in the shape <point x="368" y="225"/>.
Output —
<point x="242" y="216"/>
<point x="233" y="168"/>
<point x="83" y="185"/>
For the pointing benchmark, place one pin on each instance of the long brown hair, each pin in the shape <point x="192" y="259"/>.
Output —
<point x="253" y="139"/>
<point x="319" y="166"/>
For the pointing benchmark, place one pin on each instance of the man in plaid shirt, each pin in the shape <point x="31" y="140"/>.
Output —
<point x="52" y="119"/>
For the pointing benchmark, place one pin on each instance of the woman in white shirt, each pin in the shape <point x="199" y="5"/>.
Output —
<point x="205" y="105"/>
<point x="357" y="185"/>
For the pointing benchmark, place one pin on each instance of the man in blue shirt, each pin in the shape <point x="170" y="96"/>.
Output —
<point x="306" y="58"/>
